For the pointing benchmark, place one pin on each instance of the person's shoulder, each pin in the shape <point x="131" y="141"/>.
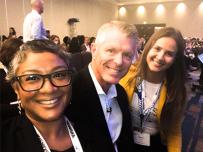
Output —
<point x="34" y="14"/>
<point x="82" y="82"/>
<point x="120" y="88"/>
<point x="8" y="130"/>
<point x="2" y="74"/>
<point x="16" y="123"/>
<point x="31" y="16"/>
<point x="121" y="91"/>
<point x="10" y="124"/>
<point x="81" y="74"/>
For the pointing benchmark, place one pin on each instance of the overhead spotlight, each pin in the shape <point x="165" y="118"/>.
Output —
<point x="181" y="8"/>
<point x="122" y="11"/>
<point x="160" y="9"/>
<point x="141" y="10"/>
<point x="201" y="8"/>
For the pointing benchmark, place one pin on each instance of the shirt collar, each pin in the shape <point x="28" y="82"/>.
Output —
<point x="34" y="11"/>
<point x="112" y="90"/>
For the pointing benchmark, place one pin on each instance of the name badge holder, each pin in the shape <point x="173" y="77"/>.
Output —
<point x="141" y="137"/>
<point x="74" y="138"/>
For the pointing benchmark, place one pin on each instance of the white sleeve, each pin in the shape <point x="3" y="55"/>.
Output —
<point x="36" y="28"/>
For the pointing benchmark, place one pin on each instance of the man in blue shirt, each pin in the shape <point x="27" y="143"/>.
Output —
<point x="33" y="27"/>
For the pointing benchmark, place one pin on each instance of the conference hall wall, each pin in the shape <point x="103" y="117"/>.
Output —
<point x="91" y="13"/>
<point x="186" y="15"/>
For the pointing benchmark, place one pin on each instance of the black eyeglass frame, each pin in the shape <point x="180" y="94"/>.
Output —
<point x="49" y="76"/>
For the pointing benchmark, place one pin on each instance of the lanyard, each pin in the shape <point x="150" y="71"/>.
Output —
<point x="74" y="138"/>
<point x="144" y="114"/>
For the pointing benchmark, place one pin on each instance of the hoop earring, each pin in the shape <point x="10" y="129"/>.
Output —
<point x="93" y="57"/>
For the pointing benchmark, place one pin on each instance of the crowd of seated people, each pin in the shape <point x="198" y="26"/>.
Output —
<point x="75" y="44"/>
<point x="11" y="34"/>
<point x="194" y="47"/>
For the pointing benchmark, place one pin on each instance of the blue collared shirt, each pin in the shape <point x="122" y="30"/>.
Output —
<point x="113" y="118"/>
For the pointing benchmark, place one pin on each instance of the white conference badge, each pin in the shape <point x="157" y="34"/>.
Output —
<point x="141" y="138"/>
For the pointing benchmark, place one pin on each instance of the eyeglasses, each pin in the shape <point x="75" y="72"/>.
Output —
<point x="34" y="82"/>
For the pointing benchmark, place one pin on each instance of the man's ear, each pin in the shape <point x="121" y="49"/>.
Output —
<point x="93" y="50"/>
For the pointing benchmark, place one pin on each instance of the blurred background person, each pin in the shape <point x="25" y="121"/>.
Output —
<point x="33" y="27"/>
<point x="12" y="33"/>
<point x="91" y="41"/>
<point x="66" y="43"/>
<point x="55" y="39"/>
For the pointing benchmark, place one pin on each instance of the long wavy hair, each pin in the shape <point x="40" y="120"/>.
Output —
<point x="175" y="78"/>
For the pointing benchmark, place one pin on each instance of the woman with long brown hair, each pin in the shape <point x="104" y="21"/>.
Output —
<point x="156" y="92"/>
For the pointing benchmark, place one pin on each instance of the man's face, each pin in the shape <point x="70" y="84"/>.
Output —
<point x="112" y="57"/>
<point x="41" y="6"/>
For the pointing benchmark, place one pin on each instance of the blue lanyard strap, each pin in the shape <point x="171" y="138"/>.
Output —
<point x="144" y="114"/>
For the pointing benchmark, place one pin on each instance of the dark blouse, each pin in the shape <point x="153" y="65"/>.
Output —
<point x="7" y="93"/>
<point x="68" y="150"/>
<point x="19" y="135"/>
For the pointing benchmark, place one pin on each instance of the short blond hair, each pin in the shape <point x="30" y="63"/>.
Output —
<point x="33" y="2"/>
<point x="128" y="29"/>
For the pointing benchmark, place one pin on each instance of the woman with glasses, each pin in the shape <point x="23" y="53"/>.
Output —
<point x="41" y="77"/>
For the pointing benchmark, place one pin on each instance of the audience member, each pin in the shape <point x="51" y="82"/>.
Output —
<point x="80" y="60"/>
<point x="66" y="43"/>
<point x="8" y="49"/>
<point x="12" y="33"/>
<point x="20" y="37"/>
<point x="99" y="105"/>
<point x="74" y="46"/>
<point x="141" y="43"/>
<point x="81" y="41"/>
<point x="40" y="75"/>
<point x="48" y="34"/>
<point x="86" y="44"/>
<point x="91" y="41"/>
<point x="4" y="38"/>
<point x="157" y="95"/>
<point x="33" y="27"/>
<point x="55" y="39"/>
